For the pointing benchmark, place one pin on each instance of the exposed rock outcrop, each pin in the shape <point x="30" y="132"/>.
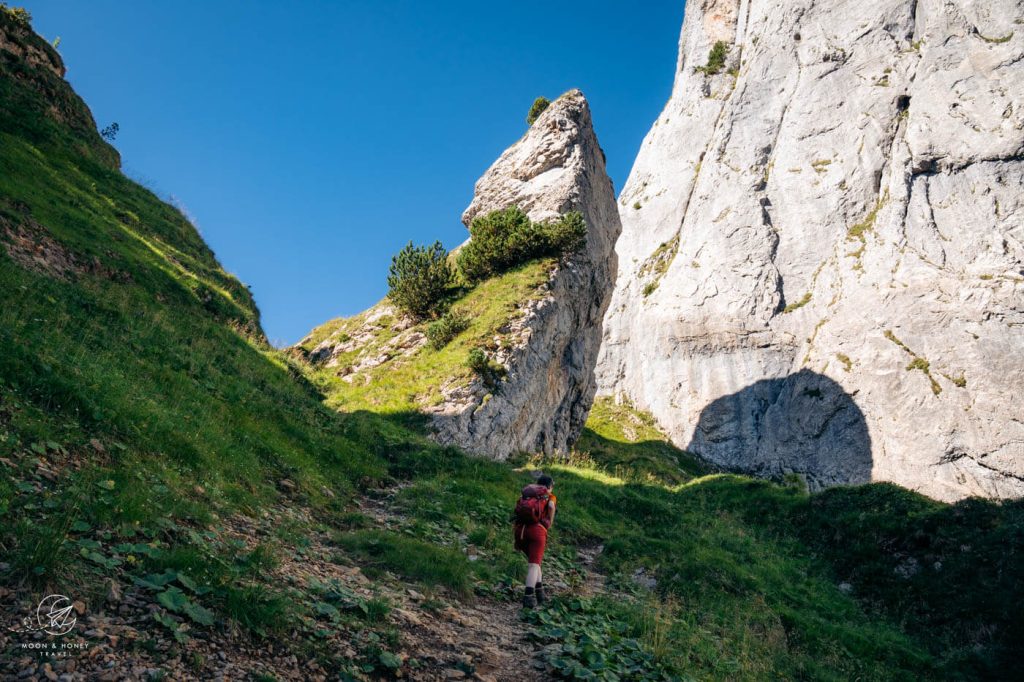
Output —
<point x="543" y="402"/>
<point x="822" y="258"/>
<point x="541" y="323"/>
<point x="29" y="60"/>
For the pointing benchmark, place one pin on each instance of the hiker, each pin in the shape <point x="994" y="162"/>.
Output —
<point x="534" y="514"/>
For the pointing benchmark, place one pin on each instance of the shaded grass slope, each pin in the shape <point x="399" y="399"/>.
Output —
<point x="130" y="356"/>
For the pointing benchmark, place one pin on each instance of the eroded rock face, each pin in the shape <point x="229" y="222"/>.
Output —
<point x="822" y="261"/>
<point x="542" y="404"/>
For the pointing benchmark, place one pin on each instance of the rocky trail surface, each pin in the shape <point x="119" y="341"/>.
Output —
<point x="436" y="636"/>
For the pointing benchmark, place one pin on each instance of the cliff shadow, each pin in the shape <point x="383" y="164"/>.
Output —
<point x="804" y="423"/>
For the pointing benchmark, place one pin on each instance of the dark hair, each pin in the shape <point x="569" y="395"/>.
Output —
<point x="545" y="481"/>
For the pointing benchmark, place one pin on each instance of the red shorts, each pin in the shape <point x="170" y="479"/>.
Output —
<point x="531" y="540"/>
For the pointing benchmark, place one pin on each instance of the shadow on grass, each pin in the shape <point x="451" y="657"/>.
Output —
<point x="656" y="460"/>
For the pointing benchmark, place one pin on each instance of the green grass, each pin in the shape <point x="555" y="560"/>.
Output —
<point x="804" y="300"/>
<point x="139" y="363"/>
<point x="414" y="381"/>
<point x="750" y="570"/>
<point x="411" y="558"/>
<point x="996" y="41"/>
<point x="155" y="358"/>
<point x="628" y="444"/>
<point x="656" y="265"/>
<point x="754" y="597"/>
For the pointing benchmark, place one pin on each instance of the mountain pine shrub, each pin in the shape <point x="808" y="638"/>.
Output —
<point x="538" y="107"/>
<point x="23" y="17"/>
<point x="716" y="59"/>
<point x="503" y="239"/>
<point x="418" y="279"/>
<point x="477" y="360"/>
<point x="450" y="325"/>
<point x="490" y="371"/>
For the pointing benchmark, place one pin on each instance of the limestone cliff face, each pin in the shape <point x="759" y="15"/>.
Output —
<point x="821" y="268"/>
<point x="542" y="404"/>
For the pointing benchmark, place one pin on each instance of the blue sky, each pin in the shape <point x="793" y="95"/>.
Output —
<point x="311" y="140"/>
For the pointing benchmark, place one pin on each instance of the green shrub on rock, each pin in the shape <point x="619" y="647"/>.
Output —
<point x="477" y="360"/>
<point x="538" y="107"/>
<point x="566" y="234"/>
<point x="503" y="239"/>
<point x="418" y="279"/>
<point x="716" y="59"/>
<point x="22" y="16"/>
<point x="450" y="325"/>
<point x="488" y="370"/>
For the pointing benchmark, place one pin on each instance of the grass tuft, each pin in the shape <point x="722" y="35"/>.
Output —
<point x="804" y="300"/>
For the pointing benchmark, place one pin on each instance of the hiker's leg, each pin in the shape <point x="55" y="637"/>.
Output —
<point x="532" y="575"/>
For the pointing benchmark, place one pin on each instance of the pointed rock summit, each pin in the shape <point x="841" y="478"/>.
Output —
<point x="822" y="257"/>
<point x="556" y="167"/>
<point x="536" y="327"/>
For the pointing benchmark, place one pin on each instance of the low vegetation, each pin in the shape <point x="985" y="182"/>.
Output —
<point x="762" y="583"/>
<point x="484" y="367"/>
<point x="503" y="239"/>
<point x="716" y="59"/>
<point x="867" y="225"/>
<point x="628" y="444"/>
<point x="536" y="109"/>
<point x="584" y="639"/>
<point x="996" y="41"/>
<point x="917" y="363"/>
<point x="450" y="325"/>
<point x="845" y="360"/>
<point x="796" y="305"/>
<point x="657" y="264"/>
<point x="412" y="380"/>
<point x="419" y="279"/>
<point x="19" y="15"/>
<point x="859" y="231"/>
<point x="820" y="166"/>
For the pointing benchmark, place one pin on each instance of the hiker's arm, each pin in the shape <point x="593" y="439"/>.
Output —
<point x="551" y="513"/>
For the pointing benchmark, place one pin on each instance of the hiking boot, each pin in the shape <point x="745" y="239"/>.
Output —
<point x="529" y="599"/>
<point x="540" y="594"/>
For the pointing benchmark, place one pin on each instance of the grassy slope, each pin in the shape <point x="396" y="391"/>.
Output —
<point x="194" y="419"/>
<point x="754" y="568"/>
<point x="410" y="382"/>
<point x="629" y="444"/>
<point x="146" y="370"/>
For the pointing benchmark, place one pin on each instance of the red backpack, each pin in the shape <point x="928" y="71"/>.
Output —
<point x="532" y="506"/>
